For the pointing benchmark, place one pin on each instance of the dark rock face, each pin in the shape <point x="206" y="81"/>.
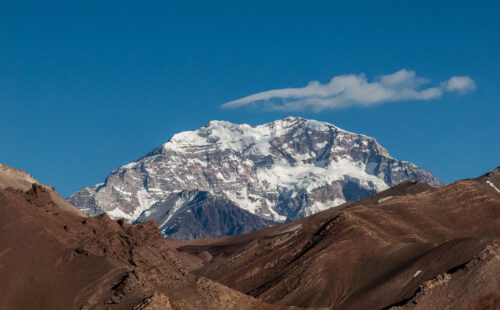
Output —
<point x="193" y="214"/>
<point x="279" y="171"/>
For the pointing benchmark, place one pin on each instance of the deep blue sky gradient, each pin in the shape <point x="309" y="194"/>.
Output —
<point x="87" y="87"/>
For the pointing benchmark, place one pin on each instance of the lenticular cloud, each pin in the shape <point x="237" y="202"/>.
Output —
<point x="349" y="90"/>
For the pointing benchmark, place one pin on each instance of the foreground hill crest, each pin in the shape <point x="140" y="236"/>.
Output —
<point x="278" y="171"/>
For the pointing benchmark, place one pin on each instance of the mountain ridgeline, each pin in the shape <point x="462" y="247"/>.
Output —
<point x="412" y="246"/>
<point x="247" y="177"/>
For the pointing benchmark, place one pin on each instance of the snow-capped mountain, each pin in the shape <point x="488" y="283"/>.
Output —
<point x="279" y="171"/>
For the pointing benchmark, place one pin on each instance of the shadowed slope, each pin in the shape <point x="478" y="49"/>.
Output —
<point x="371" y="254"/>
<point x="51" y="258"/>
<point x="410" y="247"/>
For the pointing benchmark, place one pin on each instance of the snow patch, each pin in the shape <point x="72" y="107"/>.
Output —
<point x="116" y="214"/>
<point x="288" y="229"/>
<point x="492" y="185"/>
<point x="384" y="199"/>
<point x="371" y="166"/>
<point x="318" y="206"/>
<point x="129" y="165"/>
<point x="178" y="204"/>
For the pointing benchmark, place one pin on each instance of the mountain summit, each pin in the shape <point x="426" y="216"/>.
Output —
<point x="275" y="172"/>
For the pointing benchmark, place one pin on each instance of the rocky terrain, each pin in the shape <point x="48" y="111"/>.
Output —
<point x="411" y="246"/>
<point x="53" y="258"/>
<point x="20" y="179"/>
<point x="195" y="214"/>
<point x="276" y="172"/>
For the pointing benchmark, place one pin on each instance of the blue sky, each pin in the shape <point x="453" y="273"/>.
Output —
<point x="86" y="87"/>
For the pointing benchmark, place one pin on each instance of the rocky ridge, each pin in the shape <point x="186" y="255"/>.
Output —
<point x="411" y="246"/>
<point x="21" y="180"/>
<point x="408" y="247"/>
<point x="52" y="258"/>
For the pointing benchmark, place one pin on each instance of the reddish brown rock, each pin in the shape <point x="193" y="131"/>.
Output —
<point x="377" y="253"/>
<point x="409" y="247"/>
<point x="51" y="258"/>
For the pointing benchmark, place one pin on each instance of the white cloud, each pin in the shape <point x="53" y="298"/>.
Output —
<point x="348" y="90"/>
<point x="461" y="84"/>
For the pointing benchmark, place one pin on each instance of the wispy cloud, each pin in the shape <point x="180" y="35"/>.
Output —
<point x="349" y="90"/>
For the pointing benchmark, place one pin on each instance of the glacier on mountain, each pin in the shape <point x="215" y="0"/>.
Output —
<point x="280" y="171"/>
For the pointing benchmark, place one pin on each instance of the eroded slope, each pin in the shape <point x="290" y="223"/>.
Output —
<point x="372" y="254"/>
